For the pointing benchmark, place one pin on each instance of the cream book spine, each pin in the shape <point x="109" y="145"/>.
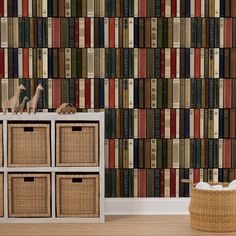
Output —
<point x="222" y="32"/>
<point x="136" y="3"/>
<point x="167" y="182"/>
<point x="167" y="63"/>
<point x="221" y="93"/>
<point x="187" y="153"/>
<point x="45" y="63"/>
<point x="82" y="93"/>
<point x="92" y="93"/>
<point x="116" y="153"/>
<point x="187" y="93"/>
<point x="154" y="32"/>
<point x="116" y="32"/>
<point x="176" y="32"/>
<point x="202" y="61"/>
<point x="167" y="8"/>
<point x="4" y="32"/>
<point x="177" y="183"/>
<point x="220" y="164"/>
<point x="167" y="123"/>
<point x="102" y="62"/>
<point x="176" y="93"/>
<point x="202" y="8"/>
<point x="136" y="67"/>
<point x="45" y="8"/>
<point x="92" y="32"/>
<point x="153" y="153"/>
<point x="216" y="123"/>
<point x="68" y="62"/>
<point x="90" y="8"/>
<point x="191" y="62"/>
<point x="188" y="32"/>
<point x="131" y="153"/>
<point x="136" y="123"/>
<point x="192" y="8"/>
<point x="175" y="153"/>
<point x="116" y="93"/>
<point x="50" y="86"/>
<point x="20" y="62"/>
<point x="131" y="32"/>
<point x="5" y="8"/>
<point x="201" y="175"/>
<point x="201" y="123"/>
<point x="30" y="63"/>
<point x="191" y="125"/>
<point x="5" y="63"/>
<point x="106" y="93"/>
<point x="15" y="33"/>
<point x="90" y="63"/>
<point x="153" y="93"/>
<point x="216" y="62"/>
<point x="215" y="175"/>
<point x="191" y="178"/>
<point x="177" y="123"/>
<point x="136" y="183"/>
<point x="102" y="8"/>
<point x="49" y="32"/>
<point x="68" y="7"/>
<point x="217" y="8"/>
<point x="30" y="10"/>
<point x="177" y="62"/>
<point x="131" y="93"/>
<point x="106" y="32"/>
<point x="4" y="90"/>
<point x="177" y="8"/>
<point x="81" y="33"/>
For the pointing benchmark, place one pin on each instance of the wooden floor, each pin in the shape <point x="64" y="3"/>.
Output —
<point x="114" y="226"/>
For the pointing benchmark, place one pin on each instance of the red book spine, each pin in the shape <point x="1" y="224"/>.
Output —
<point x="173" y="8"/>
<point x="24" y="8"/>
<point x="2" y="72"/>
<point x="196" y="123"/>
<point x="162" y="123"/>
<point x="142" y="183"/>
<point x="112" y="32"/>
<point x="172" y="183"/>
<point x="173" y="63"/>
<point x="172" y="123"/>
<point x="76" y="32"/>
<point x="25" y="63"/>
<point x="56" y="33"/>
<point x="196" y="178"/>
<point x="197" y="8"/>
<point x="77" y="93"/>
<point x="162" y="177"/>
<point x="227" y="153"/>
<point x="163" y="63"/>
<point x="112" y="153"/>
<point x="87" y="93"/>
<point x="142" y="123"/>
<point x="228" y="32"/>
<point x="87" y="32"/>
<point x="112" y="93"/>
<point x="227" y="93"/>
<point x="197" y="62"/>
<point x="142" y="8"/>
<point x="1" y="8"/>
<point x="142" y="62"/>
<point x="162" y="8"/>
<point x="56" y="93"/>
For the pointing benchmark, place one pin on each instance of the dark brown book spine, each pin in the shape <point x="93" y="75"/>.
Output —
<point x="141" y="93"/>
<point x="118" y="126"/>
<point x="227" y="7"/>
<point x="55" y="63"/>
<point x="232" y="123"/>
<point x="118" y="66"/>
<point x="54" y="8"/>
<point x="141" y="33"/>
<point x="227" y="63"/>
<point x="96" y="32"/>
<point x="147" y="32"/>
<point x="61" y="7"/>
<point x="226" y="123"/>
<point x="147" y="153"/>
<point x="232" y="62"/>
<point x="233" y="8"/>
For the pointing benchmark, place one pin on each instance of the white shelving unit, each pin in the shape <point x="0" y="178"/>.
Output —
<point x="53" y="118"/>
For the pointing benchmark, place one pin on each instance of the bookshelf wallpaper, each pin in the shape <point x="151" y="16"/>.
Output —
<point x="163" y="71"/>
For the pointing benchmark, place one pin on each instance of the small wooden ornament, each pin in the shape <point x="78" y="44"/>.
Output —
<point x="20" y="108"/>
<point x="66" y="108"/>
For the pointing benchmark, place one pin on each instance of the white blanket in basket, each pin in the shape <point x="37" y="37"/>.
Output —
<point x="206" y="186"/>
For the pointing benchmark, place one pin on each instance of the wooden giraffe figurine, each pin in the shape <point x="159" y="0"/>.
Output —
<point x="20" y="108"/>
<point x="33" y="103"/>
<point x="13" y="102"/>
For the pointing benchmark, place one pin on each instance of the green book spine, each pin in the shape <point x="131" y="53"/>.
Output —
<point x="157" y="62"/>
<point x="164" y="93"/>
<point x="126" y="182"/>
<point x="72" y="91"/>
<point x="217" y="32"/>
<point x="112" y="8"/>
<point x="131" y="63"/>
<point x="131" y="183"/>
<point x="165" y="32"/>
<point x="150" y="182"/>
<point x="150" y="124"/>
<point x="71" y="33"/>
<point x="158" y="8"/>
<point x="113" y="182"/>
<point x="73" y="63"/>
<point x="65" y="90"/>
<point x="198" y="93"/>
<point x="107" y="183"/>
<point x="112" y="63"/>
<point x="21" y="32"/>
<point x="84" y="8"/>
<point x="73" y="8"/>
<point x="112" y="123"/>
<point x="216" y="93"/>
<point x="107" y="123"/>
<point x="159" y="153"/>
<point x="141" y="154"/>
<point x="199" y="32"/>
<point x="159" y="92"/>
<point x="131" y="123"/>
<point x="197" y="153"/>
<point x="131" y="8"/>
<point x="193" y="33"/>
<point x="45" y="32"/>
<point x="107" y="63"/>
<point x="107" y="8"/>
<point x="64" y="32"/>
<point x="193" y="93"/>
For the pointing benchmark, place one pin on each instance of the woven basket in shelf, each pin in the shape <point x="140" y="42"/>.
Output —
<point x="1" y="195"/>
<point x="28" y="145"/>
<point x="77" y="195"/>
<point x="29" y="195"/>
<point x="213" y="210"/>
<point x="77" y="144"/>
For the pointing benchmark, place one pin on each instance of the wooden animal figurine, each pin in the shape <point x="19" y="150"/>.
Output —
<point x="13" y="102"/>
<point x="33" y="103"/>
<point x="20" y="108"/>
<point x="66" y="108"/>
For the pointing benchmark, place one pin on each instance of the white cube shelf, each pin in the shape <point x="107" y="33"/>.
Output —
<point x="53" y="170"/>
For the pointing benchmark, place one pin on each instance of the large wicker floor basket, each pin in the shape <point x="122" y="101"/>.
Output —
<point x="213" y="210"/>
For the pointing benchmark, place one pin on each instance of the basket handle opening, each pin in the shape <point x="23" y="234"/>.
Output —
<point x="77" y="128"/>
<point x="28" y="129"/>
<point x="77" y="180"/>
<point x="28" y="179"/>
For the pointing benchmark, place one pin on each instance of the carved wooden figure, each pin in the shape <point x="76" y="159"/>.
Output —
<point x="13" y="102"/>
<point x="20" y="108"/>
<point x="33" y="103"/>
<point x="66" y="108"/>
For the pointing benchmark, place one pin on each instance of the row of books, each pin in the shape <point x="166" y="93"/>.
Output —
<point x="120" y="8"/>
<point x="118" y="32"/>
<point x="170" y="153"/>
<point x="160" y="182"/>
<point x="117" y="63"/>
<point x="129" y="94"/>
<point x="170" y="123"/>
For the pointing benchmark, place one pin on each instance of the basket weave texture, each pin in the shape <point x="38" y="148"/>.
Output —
<point x="29" y="195"/>
<point x="213" y="210"/>
<point x="28" y="145"/>
<point x="77" y="195"/>
<point x="77" y="144"/>
<point x="1" y="195"/>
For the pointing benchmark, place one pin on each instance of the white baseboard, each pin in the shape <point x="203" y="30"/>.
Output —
<point x="146" y="206"/>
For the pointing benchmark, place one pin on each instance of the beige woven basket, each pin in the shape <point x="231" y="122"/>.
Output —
<point x="29" y="195"/>
<point x="213" y="210"/>
<point x="1" y="144"/>
<point x="28" y="145"/>
<point x="77" y="195"/>
<point x="1" y="195"/>
<point x="77" y="144"/>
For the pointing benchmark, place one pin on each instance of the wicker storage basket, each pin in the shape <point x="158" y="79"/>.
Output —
<point x="1" y="144"/>
<point x="213" y="210"/>
<point x="1" y="195"/>
<point x="29" y="195"/>
<point x="77" y="195"/>
<point x="28" y="145"/>
<point x="77" y="144"/>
